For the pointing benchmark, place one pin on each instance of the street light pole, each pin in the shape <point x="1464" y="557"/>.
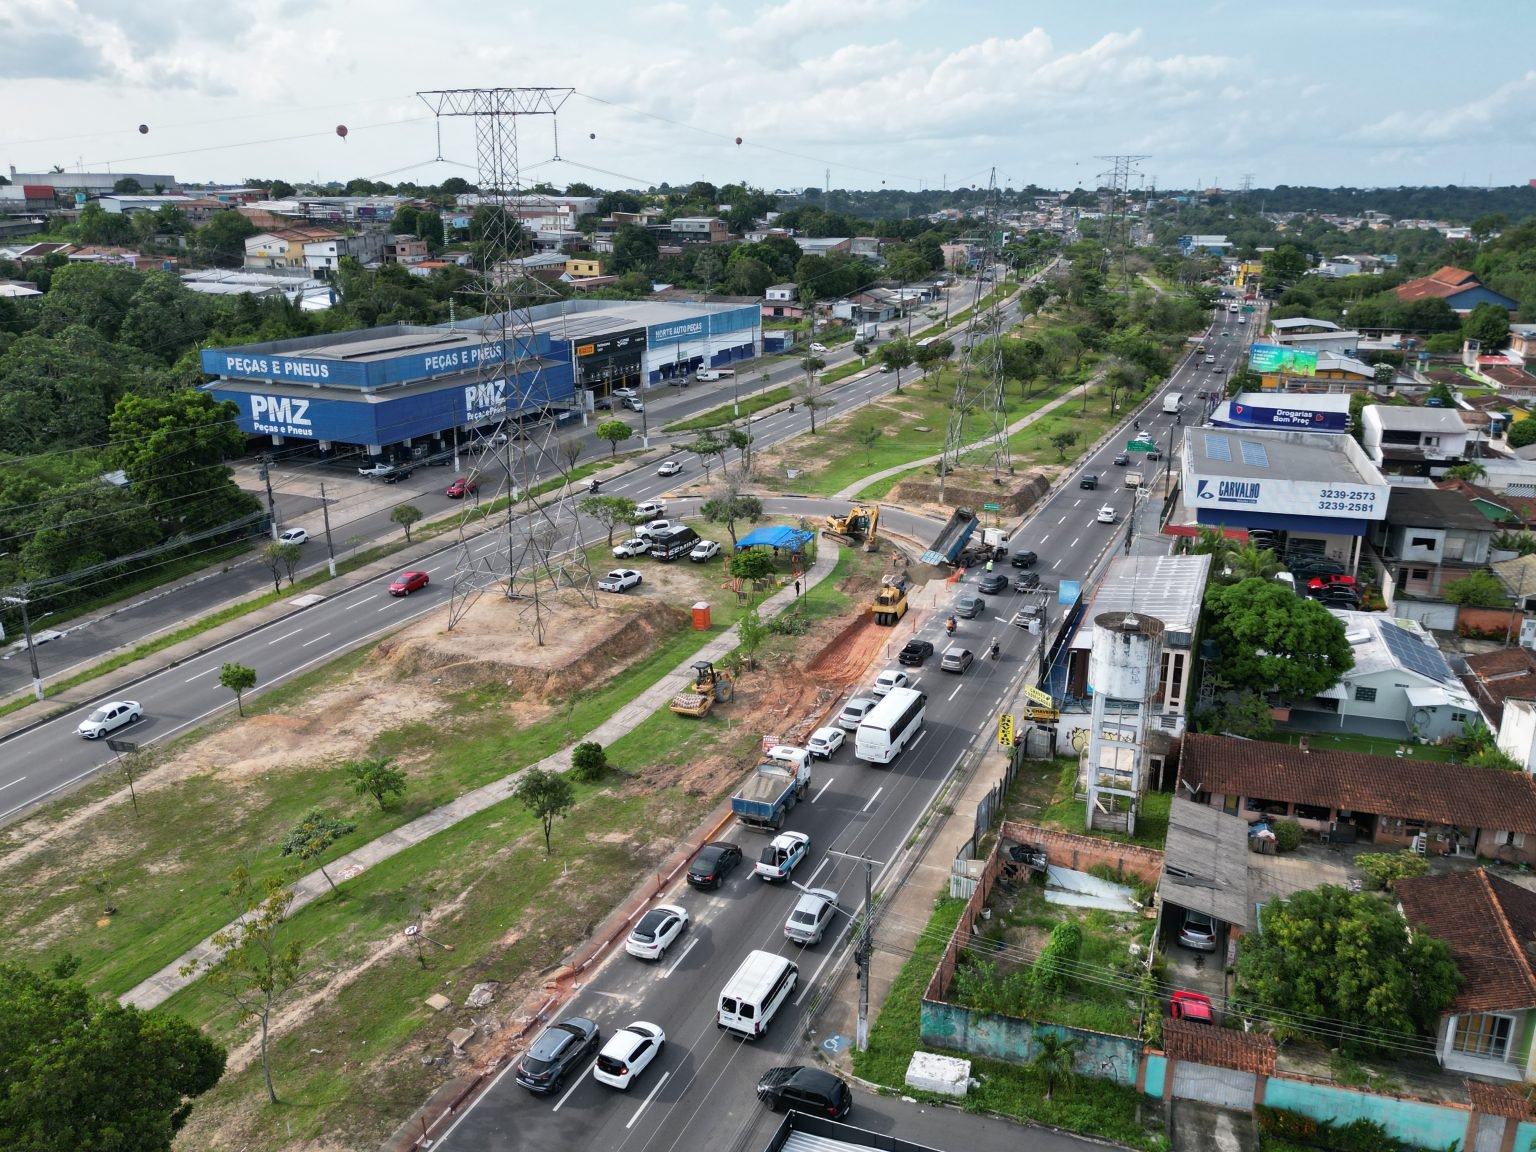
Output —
<point x="325" y="512"/>
<point x="864" y="949"/>
<point x="26" y="629"/>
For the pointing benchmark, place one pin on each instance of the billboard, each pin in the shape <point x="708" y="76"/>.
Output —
<point x="1290" y="497"/>
<point x="256" y="363"/>
<point x="1299" y="416"/>
<point x="1285" y="361"/>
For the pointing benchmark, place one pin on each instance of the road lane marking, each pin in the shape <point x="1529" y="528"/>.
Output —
<point x="956" y="692"/>
<point x="355" y="603"/>
<point x="872" y="799"/>
<point x="18" y="780"/>
<point x="1072" y="545"/>
<point x="681" y="956"/>
<point x="316" y="640"/>
<point x="646" y="1103"/>
<point x="199" y="675"/>
<point x="575" y="1084"/>
<point x="283" y="637"/>
<point x="824" y="787"/>
<point x="1063" y="519"/>
<point x="1044" y="538"/>
<point x="825" y="860"/>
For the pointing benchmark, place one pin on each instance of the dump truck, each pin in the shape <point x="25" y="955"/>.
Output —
<point x="991" y="546"/>
<point x="709" y="685"/>
<point x="951" y="542"/>
<point x="891" y="601"/>
<point x="861" y="523"/>
<point x="780" y="781"/>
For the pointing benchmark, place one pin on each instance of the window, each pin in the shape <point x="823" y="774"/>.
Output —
<point x="1418" y="573"/>
<point x="1458" y="717"/>
<point x="1513" y="839"/>
<point x="1483" y="1034"/>
<point x="1425" y="542"/>
<point x="1365" y="695"/>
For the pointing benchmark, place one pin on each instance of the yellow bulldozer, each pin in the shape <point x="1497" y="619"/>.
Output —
<point x="709" y="685"/>
<point x="891" y="601"/>
<point x="861" y="523"/>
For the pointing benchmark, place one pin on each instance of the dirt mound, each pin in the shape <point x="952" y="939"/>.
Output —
<point x="971" y="488"/>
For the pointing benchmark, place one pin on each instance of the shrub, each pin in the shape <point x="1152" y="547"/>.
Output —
<point x="1053" y="967"/>
<point x="1386" y="868"/>
<point x="588" y="761"/>
<point x="1287" y="835"/>
<point x="1356" y="1136"/>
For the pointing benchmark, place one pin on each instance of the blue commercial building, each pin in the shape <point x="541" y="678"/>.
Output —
<point x="415" y="388"/>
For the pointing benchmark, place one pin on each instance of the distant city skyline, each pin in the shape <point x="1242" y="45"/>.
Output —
<point x="867" y="93"/>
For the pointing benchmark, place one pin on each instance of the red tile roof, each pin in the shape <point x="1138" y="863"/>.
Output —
<point x="1412" y="789"/>
<point x="1506" y="1100"/>
<point x="1490" y="925"/>
<point x="1446" y="281"/>
<point x="1219" y="1047"/>
<point x="1494" y="677"/>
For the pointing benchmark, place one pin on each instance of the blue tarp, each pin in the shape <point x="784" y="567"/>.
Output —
<point x="792" y="538"/>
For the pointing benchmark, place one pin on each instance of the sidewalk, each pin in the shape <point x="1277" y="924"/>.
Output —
<point x="169" y="980"/>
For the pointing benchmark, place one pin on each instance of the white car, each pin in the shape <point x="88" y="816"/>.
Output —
<point x="669" y="468"/>
<point x="704" y="550"/>
<point x="294" y="536"/>
<point x="824" y="742"/>
<point x="650" y="509"/>
<point x="784" y="851"/>
<point x="109" y="718"/>
<point x="819" y="349"/>
<point x="618" y="580"/>
<point x="889" y="679"/>
<point x="634" y="546"/>
<point x="654" y="932"/>
<point x="627" y="1053"/>
<point x="380" y="469"/>
<point x="808" y="922"/>
<point x="624" y="393"/>
<point x="1107" y="515"/>
<point x="853" y="712"/>
<point x="653" y="528"/>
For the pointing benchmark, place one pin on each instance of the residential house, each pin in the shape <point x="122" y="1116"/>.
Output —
<point x="1413" y="441"/>
<point x="700" y="230"/>
<point x="1496" y="678"/>
<point x="323" y="256"/>
<point x="782" y="302"/>
<point x="403" y="248"/>
<point x="1522" y="341"/>
<point x="1394" y="803"/>
<point x="1204" y="245"/>
<point x="1461" y="289"/>
<point x="1431" y="538"/>
<point x="823" y="245"/>
<point x="1503" y="511"/>
<point x="1516" y="734"/>
<point x="283" y="248"/>
<point x="584" y="265"/>
<point x="1490" y="925"/>
<point x="866" y="246"/>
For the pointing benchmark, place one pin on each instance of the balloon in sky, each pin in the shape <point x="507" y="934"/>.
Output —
<point x="143" y="129"/>
<point x="341" y="130"/>
<point x="738" y="141"/>
<point x="591" y="135"/>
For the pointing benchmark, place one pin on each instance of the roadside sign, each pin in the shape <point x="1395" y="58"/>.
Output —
<point x="1068" y="591"/>
<point x="1247" y="307"/>
<point x="991" y="507"/>
<point x="1141" y="444"/>
<point x="1005" y="730"/>
<point x="769" y="742"/>
<point x="1039" y="696"/>
<point x="122" y="745"/>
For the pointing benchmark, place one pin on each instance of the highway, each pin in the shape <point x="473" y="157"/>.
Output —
<point x="86" y="641"/>
<point x="699" y="1092"/>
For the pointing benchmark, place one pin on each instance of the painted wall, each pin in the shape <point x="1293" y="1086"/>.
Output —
<point x="1009" y="1038"/>
<point x="1155" y="1069"/>
<point x="1413" y="1121"/>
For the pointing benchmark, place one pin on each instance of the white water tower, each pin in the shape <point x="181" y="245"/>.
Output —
<point x="1124" y="668"/>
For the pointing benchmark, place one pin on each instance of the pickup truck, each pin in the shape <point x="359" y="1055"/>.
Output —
<point x="779" y="782"/>
<point x="376" y="470"/>
<point x="1133" y="479"/>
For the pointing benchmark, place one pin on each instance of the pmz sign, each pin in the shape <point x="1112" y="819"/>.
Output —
<point x="281" y="416"/>
<point x="485" y="399"/>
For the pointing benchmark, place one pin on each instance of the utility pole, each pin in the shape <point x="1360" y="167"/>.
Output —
<point x="330" y="551"/>
<point x="26" y="631"/>
<point x="266" y="474"/>
<point x="864" y="949"/>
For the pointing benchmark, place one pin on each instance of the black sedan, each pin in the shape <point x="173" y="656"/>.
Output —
<point x="713" y="864"/>
<point x="915" y="652"/>
<point x="556" y="1054"/>
<point x="1023" y="558"/>
<point x="993" y="583"/>
<point x="1026" y="581"/>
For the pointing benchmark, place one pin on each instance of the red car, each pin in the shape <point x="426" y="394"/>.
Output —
<point x="1329" y="581"/>
<point x="1191" y="1006"/>
<point x="408" y="582"/>
<point x="462" y="487"/>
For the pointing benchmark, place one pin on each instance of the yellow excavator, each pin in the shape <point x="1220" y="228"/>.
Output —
<point x="891" y="601"/>
<point x="861" y="523"/>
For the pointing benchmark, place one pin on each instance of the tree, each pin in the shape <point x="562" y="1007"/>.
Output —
<point x="571" y="449"/>
<point x="705" y="447"/>
<point x="313" y="836"/>
<point x="808" y="391"/>
<point x="221" y="241"/>
<point x="1245" y="714"/>
<point x="257" y="964"/>
<point x="405" y="515"/>
<point x="741" y="440"/>
<point x="615" y="432"/>
<point x="238" y="679"/>
<point x="1471" y="472"/>
<point x="547" y="795"/>
<point x="1055" y="1055"/>
<point x="730" y="508"/>
<point x="751" y="631"/>
<point x="1250" y="563"/>
<point x="173" y="448"/>
<point x="1522" y="433"/>
<point x="375" y="776"/>
<point x="1270" y="639"/>
<point x="1061" y="441"/>
<point x="866" y="437"/>
<point x="85" y="1072"/>
<point x="277" y="556"/>
<point x="1488" y="324"/>
<point x="609" y="511"/>
<point x="896" y="355"/>
<point x="588" y="761"/>
<point x="1479" y="590"/>
<point x="634" y="249"/>
<point x="1346" y="961"/>
<point x="753" y="565"/>
<point x="280" y="190"/>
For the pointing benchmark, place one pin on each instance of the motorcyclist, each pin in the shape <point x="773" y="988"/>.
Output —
<point x="594" y="485"/>
<point x="949" y="625"/>
<point x="994" y="649"/>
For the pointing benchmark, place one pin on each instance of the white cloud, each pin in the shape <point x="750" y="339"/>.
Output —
<point x="1480" y="118"/>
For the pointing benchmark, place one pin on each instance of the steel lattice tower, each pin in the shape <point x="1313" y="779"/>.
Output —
<point x="1118" y="230"/>
<point x="509" y="376"/>
<point x="978" y="423"/>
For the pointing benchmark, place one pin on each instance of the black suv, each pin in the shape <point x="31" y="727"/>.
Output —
<point x="556" y="1052"/>
<point x="395" y="475"/>
<point x="713" y="864"/>
<point x="1026" y="581"/>
<point x="1089" y="481"/>
<point x="915" y="652"/>
<point x="808" y="1090"/>
<point x="1023" y="558"/>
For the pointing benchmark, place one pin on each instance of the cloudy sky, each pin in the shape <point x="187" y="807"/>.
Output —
<point x="907" y="93"/>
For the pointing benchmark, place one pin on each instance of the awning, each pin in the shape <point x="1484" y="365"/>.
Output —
<point x="1437" y="698"/>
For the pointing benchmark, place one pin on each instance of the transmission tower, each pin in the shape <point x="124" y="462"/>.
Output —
<point x="978" y="423"/>
<point x="1117" y="178"/>
<point x="1247" y="183"/>
<point x="537" y="567"/>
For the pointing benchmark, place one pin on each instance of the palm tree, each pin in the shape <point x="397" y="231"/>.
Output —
<point x="1252" y="563"/>
<point x="1054" y="1055"/>
<point x="1471" y="472"/>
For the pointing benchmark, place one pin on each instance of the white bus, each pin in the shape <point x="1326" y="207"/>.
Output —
<point x="890" y="725"/>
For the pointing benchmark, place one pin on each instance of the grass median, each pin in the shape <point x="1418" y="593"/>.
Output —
<point x="719" y="417"/>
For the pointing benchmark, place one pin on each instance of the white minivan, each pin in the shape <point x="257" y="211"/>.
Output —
<point x="755" y="993"/>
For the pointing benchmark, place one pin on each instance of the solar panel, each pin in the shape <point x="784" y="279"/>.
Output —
<point x="1415" y="655"/>
<point x="1254" y="454"/>
<point x="1217" y="447"/>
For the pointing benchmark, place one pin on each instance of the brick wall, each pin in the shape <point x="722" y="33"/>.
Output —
<point x="1082" y="852"/>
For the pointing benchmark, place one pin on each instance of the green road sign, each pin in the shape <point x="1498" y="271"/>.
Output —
<point x="991" y="507"/>
<point x="1247" y="307"/>
<point x="1141" y="445"/>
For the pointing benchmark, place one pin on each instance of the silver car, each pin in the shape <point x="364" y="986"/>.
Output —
<point x="808" y="922"/>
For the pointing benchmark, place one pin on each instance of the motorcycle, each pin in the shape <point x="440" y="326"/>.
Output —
<point x="949" y="625"/>
<point x="594" y="486"/>
<point x="994" y="649"/>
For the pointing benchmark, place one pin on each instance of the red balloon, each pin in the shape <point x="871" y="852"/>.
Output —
<point x="144" y="129"/>
<point x="341" y="130"/>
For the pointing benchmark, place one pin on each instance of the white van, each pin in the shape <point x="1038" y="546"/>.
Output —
<point x="757" y="990"/>
<point x="1172" y="402"/>
<point x="708" y="374"/>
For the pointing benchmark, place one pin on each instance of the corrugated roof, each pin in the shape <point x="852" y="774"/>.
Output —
<point x="1205" y="863"/>
<point x="1434" y="507"/>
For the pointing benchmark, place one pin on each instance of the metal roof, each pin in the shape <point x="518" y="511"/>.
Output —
<point x="1168" y="588"/>
<point x="1315" y="456"/>
<point x="1205" y="862"/>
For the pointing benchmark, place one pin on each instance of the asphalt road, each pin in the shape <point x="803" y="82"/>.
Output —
<point x="86" y="641"/>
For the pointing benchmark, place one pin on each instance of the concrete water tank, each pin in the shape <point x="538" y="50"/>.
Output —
<point x="1127" y="655"/>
